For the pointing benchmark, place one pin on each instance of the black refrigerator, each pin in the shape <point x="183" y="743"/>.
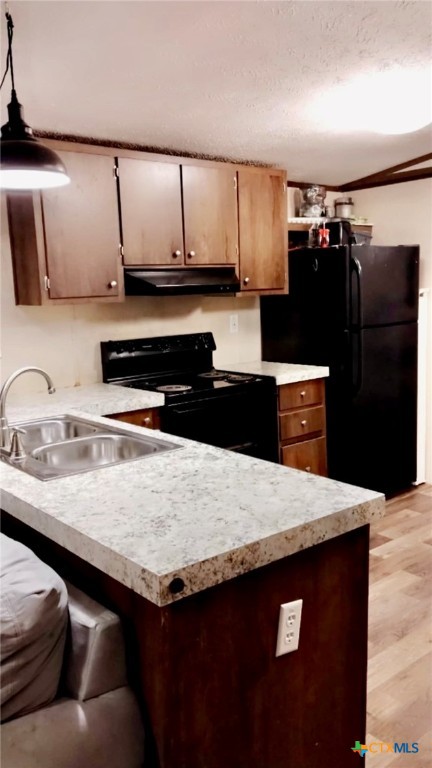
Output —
<point x="354" y="308"/>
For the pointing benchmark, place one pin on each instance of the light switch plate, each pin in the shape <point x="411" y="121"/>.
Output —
<point x="288" y="635"/>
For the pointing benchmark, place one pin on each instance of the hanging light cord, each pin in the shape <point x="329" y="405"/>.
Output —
<point x="9" y="59"/>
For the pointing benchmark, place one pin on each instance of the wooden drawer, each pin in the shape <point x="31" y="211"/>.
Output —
<point x="147" y="417"/>
<point x="301" y="393"/>
<point x="302" y="422"/>
<point x="310" y="456"/>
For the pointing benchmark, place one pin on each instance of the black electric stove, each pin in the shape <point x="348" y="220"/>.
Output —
<point x="237" y="411"/>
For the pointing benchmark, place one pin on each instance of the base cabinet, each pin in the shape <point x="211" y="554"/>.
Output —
<point x="302" y="426"/>
<point x="146" y="417"/>
<point x="214" y="694"/>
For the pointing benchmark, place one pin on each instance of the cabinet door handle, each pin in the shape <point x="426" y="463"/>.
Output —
<point x="307" y="469"/>
<point x="246" y="280"/>
<point x="112" y="284"/>
<point x="176" y="254"/>
<point x="303" y="422"/>
<point x="191" y="254"/>
<point x="146" y="421"/>
<point x="303" y="393"/>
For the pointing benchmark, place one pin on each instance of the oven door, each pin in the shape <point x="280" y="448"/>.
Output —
<point x="245" y="422"/>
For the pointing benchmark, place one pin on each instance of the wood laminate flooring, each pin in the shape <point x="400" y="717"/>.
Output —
<point x="400" y="636"/>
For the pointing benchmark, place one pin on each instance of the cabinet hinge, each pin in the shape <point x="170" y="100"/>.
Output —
<point x="115" y="172"/>
<point x="235" y="182"/>
<point x="237" y="252"/>
<point x="47" y="284"/>
<point x="121" y="250"/>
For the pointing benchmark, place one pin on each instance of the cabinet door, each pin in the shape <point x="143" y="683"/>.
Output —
<point x="309" y="456"/>
<point x="210" y="215"/>
<point x="151" y="213"/>
<point x="263" y="230"/>
<point x="81" y="228"/>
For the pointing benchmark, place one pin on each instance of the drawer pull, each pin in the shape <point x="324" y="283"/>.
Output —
<point x="146" y="421"/>
<point x="303" y="393"/>
<point x="307" y="469"/>
<point x="303" y="422"/>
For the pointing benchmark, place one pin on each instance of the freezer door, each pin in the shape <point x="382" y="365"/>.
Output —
<point x="372" y="435"/>
<point x="387" y="281"/>
<point x="308" y="325"/>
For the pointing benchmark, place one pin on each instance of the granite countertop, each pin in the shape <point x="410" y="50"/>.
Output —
<point x="198" y="513"/>
<point x="94" y="399"/>
<point x="284" y="373"/>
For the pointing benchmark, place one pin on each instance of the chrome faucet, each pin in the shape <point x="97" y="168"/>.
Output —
<point x="5" y="438"/>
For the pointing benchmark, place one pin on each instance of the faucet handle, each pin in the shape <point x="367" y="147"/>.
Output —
<point x="17" y="452"/>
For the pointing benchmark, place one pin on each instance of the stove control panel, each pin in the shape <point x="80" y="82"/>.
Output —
<point x="159" y="344"/>
<point x="132" y="357"/>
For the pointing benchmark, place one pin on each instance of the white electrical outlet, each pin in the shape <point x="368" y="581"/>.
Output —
<point x="233" y="323"/>
<point x="288" y="635"/>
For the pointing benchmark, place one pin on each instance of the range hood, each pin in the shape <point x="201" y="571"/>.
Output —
<point x="177" y="282"/>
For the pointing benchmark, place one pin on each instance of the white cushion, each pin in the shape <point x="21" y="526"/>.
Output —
<point x="33" y="621"/>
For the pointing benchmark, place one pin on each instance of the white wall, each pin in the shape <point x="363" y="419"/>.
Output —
<point x="402" y="213"/>
<point x="65" y="339"/>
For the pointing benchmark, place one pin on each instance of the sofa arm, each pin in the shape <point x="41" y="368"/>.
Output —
<point x="95" y="653"/>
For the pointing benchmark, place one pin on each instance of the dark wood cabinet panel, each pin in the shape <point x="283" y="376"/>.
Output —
<point x="302" y="426"/>
<point x="301" y="422"/>
<point x="301" y="393"/>
<point x="310" y="456"/>
<point x="82" y="230"/>
<point x="262" y="230"/>
<point x="151" y="213"/>
<point x="65" y="242"/>
<point x="147" y="417"/>
<point x="210" y="215"/>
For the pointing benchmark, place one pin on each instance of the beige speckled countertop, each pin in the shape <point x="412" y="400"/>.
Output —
<point x="284" y="373"/>
<point x="94" y="399"/>
<point x="201" y="514"/>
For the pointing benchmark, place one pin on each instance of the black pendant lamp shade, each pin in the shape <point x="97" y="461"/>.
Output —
<point x="25" y="163"/>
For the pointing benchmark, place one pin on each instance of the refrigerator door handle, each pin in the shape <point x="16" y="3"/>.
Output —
<point x="356" y="269"/>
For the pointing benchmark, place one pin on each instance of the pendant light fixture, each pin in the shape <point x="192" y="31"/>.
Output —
<point x="25" y="163"/>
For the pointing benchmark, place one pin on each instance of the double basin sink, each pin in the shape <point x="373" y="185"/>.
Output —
<point x="69" y="445"/>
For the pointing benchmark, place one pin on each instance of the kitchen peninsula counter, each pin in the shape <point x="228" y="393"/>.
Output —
<point x="199" y="514"/>
<point x="237" y="537"/>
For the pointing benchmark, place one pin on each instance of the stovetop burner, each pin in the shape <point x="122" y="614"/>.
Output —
<point x="215" y="375"/>
<point x="173" y="388"/>
<point x="239" y="377"/>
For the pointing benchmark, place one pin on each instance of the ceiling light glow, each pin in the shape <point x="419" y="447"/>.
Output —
<point x="393" y="101"/>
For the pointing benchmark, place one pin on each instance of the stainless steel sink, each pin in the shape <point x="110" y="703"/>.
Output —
<point x="96" y="451"/>
<point x="67" y="446"/>
<point x="53" y="431"/>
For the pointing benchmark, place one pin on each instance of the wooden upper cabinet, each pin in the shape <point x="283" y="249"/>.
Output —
<point x="151" y="212"/>
<point x="65" y="241"/>
<point x="210" y="215"/>
<point x="82" y="230"/>
<point x="262" y="230"/>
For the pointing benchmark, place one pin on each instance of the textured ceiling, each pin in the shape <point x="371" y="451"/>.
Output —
<point x="231" y="79"/>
